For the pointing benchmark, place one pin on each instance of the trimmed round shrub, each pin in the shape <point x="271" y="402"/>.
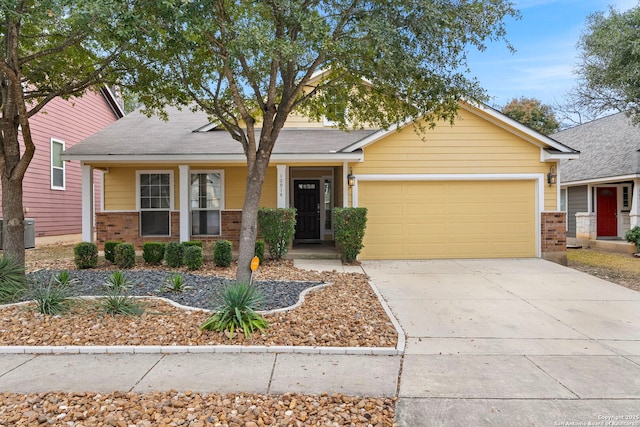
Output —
<point x="125" y="255"/>
<point x="192" y="243"/>
<point x="153" y="252"/>
<point x="193" y="257"/>
<point x="222" y="255"/>
<point x="85" y="255"/>
<point x="110" y="251"/>
<point x="173" y="255"/>
<point x="259" y="250"/>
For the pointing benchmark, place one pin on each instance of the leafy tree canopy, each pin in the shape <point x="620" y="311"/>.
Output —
<point x="51" y="48"/>
<point x="609" y="70"/>
<point x="249" y="64"/>
<point x="533" y="113"/>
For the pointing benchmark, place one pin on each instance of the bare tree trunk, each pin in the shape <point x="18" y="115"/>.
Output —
<point x="249" y="228"/>
<point x="13" y="219"/>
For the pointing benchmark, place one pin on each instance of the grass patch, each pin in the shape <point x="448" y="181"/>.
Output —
<point x="620" y="262"/>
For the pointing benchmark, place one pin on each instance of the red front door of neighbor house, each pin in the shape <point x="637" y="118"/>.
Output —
<point x="607" y="205"/>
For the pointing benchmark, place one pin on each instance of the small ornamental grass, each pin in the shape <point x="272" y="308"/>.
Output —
<point x="52" y="294"/>
<point x="118" y="303"/>
<point x="118" y="282"/>
<point x="175" y="283"/>
<point x="237" y="311"/>
<point x="12" y="280"/>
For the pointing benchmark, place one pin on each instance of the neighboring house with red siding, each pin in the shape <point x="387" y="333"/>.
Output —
<point x="52" y="187"/>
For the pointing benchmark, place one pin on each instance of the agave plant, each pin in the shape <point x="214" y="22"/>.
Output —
<point x="237" y="311"/>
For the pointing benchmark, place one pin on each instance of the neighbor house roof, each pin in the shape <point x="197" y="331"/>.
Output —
<point x="187" y="136"/>
<point x="608" y="146"/>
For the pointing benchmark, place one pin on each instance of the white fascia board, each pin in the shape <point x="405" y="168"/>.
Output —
<point x="449" y="177"/>
<point x="507" y="123"/>
<point x="545" y="156"/>
<point x="209" y="158"/>
<point x="600" y="180"/>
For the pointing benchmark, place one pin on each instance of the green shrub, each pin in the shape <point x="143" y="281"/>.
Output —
<point x="259" y="250"/>
<point x="633" y="236"/>
<point x="12" y="280"/>
<point x="175" y="283"/>
<point x="237" y="311"/>
<point x="277" y="227"/>
<point x="349" y="227"/>
<point x="222" y="253"/>
<point x="85" y="255"/>
<point x="193" y="257"/>
<point x="110" y="251"/>
<point x="192" y="243"/>
<point x="125" y="255"/>
<point x="173" y="254"/>
<point x="153" y="252"/>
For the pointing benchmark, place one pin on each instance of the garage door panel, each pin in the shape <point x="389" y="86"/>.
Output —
<point x="484" y="219"/>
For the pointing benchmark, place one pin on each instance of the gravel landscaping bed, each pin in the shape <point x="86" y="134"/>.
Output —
<point x="345" y="313"/>
<point x="193" y="410"/>
<point x="204" y="290"/>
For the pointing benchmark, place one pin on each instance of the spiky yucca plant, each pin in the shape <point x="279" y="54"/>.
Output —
<point x="12" y="280"/>
<point x="237" y="311"/>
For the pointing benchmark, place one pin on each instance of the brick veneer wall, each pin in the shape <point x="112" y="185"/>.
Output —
<point x="554" y="236"/>
<point x="124" y="227"/>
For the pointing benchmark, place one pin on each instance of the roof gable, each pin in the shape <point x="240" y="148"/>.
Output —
<point x="609" y="148"/>
<point x="553" y="148"/>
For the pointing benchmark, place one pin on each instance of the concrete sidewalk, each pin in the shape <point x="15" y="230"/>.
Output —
<point x="512" y="342"/>
<point x="201" y="372"/>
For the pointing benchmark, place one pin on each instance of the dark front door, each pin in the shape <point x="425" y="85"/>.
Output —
<point x="607" y="211"/>
<point x="306" y="200"/>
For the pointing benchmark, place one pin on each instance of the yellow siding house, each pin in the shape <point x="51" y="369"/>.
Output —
<point x="485" y="187"/>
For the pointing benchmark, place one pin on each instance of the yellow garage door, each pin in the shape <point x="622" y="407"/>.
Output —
<point x="457" y="219"/>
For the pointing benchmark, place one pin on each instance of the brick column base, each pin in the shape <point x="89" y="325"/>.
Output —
<point x="554" y="236"/>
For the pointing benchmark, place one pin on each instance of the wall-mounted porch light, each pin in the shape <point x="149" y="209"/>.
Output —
<point x="351" y="178"/>
<point x="551" y="176"/>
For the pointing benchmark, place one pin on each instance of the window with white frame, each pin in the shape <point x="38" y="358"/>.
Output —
<point x="206" y="202"/>
<point x="155" y="198"/>
<point x="57" y="165"/>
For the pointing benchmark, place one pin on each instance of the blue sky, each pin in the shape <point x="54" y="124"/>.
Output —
<point x="545" y="41"/>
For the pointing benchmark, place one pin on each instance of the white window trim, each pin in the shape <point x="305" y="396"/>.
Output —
<point x="171" y="195"/>
<point x="51" y="168"/>
<point x="222" y="198"/>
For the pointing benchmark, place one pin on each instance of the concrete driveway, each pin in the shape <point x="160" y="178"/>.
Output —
<point x="521" y="342"/>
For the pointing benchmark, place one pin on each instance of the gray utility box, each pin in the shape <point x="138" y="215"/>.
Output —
<point x="29" y="233"/>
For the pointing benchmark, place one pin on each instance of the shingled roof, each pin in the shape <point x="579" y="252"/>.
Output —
<point x="608" y="148"/>
<point x="188" y="133"/>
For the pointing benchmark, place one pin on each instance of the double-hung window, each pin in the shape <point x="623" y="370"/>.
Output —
<point x="155" y="198"/>
<point x="57" y="165"/>
<point x="206" y="202"/>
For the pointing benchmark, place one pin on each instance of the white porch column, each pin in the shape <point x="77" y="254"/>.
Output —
<point x="634" y="214"/>
<point x="184" y="203"/>
<point x="345" y="185"/>
<point x="87" y="203"/>
<point x="283" y="186"/>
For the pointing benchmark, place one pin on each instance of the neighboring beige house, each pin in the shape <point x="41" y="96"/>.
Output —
<point x="476" y="189"/>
